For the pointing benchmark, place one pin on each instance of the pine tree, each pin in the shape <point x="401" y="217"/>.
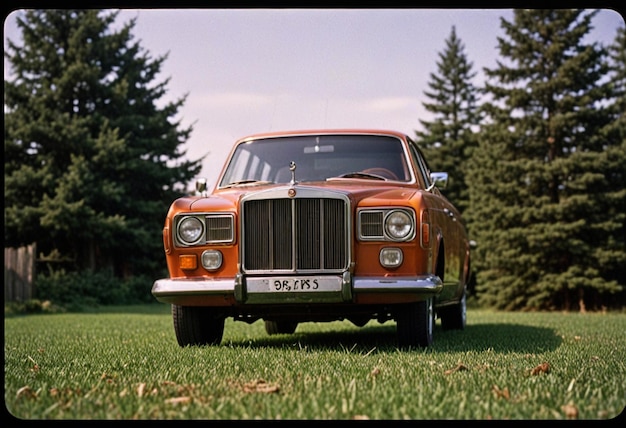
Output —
<point x="91" y="162"/>
<point x="617" y="128"/>
<point x="448" y="140"/>
<point x="612" y="257"/>
<point x="548" y="221"/>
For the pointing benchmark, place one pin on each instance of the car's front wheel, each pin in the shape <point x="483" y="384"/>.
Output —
<point x="280" y="327"/>
<point x="454" y="317"/>
<point x="196" y="325"/>
<point x="415" y="324"/>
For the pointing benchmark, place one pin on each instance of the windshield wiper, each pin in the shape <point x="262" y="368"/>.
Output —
<point x="360" y="175"/>
<point x="242" y="182"/>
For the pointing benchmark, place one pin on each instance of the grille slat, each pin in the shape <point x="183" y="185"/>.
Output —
<point x="306" y="234"/>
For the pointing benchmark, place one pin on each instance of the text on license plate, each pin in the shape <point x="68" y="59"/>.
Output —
<point x="294" y="284"/>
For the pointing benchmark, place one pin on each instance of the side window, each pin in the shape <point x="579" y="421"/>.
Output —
<point x="423" y="169"/>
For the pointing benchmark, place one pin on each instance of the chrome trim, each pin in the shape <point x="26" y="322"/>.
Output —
<point x="204" y="218"/>
<point x="439" y="179"/>
<point x="182" y="219"/>
<point x="231" y="228"/>
<point x="201" y="187"/>
<point x="386" y="211"/>
<point x="304" y="191"/>
<point x="192" y="286"/>
<point x="292" y="168"/>
<point x="168" y="289"/>
<point x="374" y="224"/>
<point x="301" y="192"/>
<point x="418" y="284"/>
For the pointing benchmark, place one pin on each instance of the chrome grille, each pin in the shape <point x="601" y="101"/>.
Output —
<point x="303" y="234"/>
<point x="371" y="224"/>
<point x="219" y="228"/>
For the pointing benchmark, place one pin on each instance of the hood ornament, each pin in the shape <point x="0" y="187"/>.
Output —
<point x="292" y="168"/>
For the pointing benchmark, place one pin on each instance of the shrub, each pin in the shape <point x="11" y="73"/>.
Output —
<point x="31" y="306"/>
<point x="74" y="290"/>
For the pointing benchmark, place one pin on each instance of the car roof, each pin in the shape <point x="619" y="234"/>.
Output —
<point x="340" y="131"/>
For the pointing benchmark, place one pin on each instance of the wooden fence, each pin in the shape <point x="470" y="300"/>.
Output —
<point x="19" y="273"/>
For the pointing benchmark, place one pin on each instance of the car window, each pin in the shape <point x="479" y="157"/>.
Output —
<point x="317" y="158"/>
<point x="418" y="158"/>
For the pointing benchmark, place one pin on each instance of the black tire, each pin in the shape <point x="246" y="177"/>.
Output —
<point x="415" y="324"/>
<point x="280" y="327"/>
<point x="454" y="317"/>
<point x="197" y="326"/>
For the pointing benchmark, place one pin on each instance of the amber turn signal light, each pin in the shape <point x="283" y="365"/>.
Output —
<point x="188" y="261"/>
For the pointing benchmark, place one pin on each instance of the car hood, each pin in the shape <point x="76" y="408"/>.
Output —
<point x="356" y="190"/>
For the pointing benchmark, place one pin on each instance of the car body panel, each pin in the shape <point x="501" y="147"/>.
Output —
<point x="326" y="242"/>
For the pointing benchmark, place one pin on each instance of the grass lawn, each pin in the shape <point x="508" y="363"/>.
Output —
<point x="124" y="363"/>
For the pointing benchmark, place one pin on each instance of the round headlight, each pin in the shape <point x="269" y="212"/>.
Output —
<point x="399" y="225"/>
<point x="190" y="229"/>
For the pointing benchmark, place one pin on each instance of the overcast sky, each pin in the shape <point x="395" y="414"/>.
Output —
<point x="254" y="70"/>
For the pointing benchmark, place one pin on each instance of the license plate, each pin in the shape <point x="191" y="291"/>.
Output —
<point x="293" y="284"/>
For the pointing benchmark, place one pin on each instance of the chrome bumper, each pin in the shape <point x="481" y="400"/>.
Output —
<point x="168" y="290"/>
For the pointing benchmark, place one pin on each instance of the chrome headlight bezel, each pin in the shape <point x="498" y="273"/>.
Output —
<point x="399" y="225"/>
<point x="189" y="230"/>
<point x="381" y="224"/>
<point x="204" y="229"/>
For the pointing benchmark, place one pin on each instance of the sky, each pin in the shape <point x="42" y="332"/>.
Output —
<point x="246" y="71"/>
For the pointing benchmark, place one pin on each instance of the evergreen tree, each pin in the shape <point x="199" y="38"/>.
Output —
<point x="448" y="140"/>
<point x="613" y="257"/>
<point x="617" y="128"/>
<point x="91" y="163"/>
<point x="548" y="220"/>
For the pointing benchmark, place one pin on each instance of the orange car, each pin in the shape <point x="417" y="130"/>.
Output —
<point x="317" y="226"/>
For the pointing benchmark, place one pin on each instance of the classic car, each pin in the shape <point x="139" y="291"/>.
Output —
<point x="317" y="226"/>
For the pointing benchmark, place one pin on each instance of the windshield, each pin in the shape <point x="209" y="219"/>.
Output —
<point x="317" y="158"/>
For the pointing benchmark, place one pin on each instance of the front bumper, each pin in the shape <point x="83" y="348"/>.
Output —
<point x="235" y="291"/>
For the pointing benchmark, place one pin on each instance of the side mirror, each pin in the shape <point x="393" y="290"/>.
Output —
<point x="201" y="186"/>
<point x="439" y="179"/>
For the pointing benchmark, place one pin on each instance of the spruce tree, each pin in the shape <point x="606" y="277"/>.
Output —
<point x="548" y="220"/>
<point x="448" y="140"/>
<point x="91" y="162"/>
<point x="612" y="257"/>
